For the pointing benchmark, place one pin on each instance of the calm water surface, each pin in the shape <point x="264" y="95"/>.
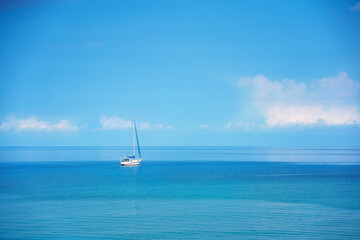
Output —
<point x="180" y="193"/>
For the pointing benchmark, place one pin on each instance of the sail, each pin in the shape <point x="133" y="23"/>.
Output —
<point x="137" y="140"/>
<point x="133" y="158"/>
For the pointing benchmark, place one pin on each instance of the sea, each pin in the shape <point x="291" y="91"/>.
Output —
<point x="180" y="193"/>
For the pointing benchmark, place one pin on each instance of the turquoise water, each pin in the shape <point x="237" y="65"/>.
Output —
<point x="180" y="193"/>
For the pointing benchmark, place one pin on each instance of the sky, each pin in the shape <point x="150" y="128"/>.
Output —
<point x="193" y="73"/>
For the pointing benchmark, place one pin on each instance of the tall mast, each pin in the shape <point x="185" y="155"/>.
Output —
<point x="137" y="140"/>
<point x="134" y="136"/>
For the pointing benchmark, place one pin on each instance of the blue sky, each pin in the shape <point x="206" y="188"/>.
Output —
<point x="238" y="73"/>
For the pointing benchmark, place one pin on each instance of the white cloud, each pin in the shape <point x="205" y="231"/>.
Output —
<point x="146" y="125"/>
<point x="33" y="123"/>
<point x="293" y="115"/>
<point x="204" y="126"/>
<point x="116" y="123"/>
<point x="355" y="8"/>
<point x="327" y="101"/>
<point x="239" y="125"/>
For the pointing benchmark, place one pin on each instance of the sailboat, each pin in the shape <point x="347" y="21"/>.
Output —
<point x="135" y="158"/>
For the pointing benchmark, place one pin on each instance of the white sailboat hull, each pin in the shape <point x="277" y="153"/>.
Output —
<point x="129" y="162"/>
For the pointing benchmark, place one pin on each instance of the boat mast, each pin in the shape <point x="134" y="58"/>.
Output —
<point x="134" y="136"/>
<point x="137" y="140"/>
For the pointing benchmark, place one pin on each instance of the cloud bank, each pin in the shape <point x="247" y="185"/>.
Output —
<point x="327" y="101"/>
<point x="117" y="123"/>
<point x="240" y="125"/>
<point x="114" y="122"/>
<point x="33" y="123"/>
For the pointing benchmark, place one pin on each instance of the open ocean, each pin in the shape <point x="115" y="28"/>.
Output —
<point x="180" y="193"/>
